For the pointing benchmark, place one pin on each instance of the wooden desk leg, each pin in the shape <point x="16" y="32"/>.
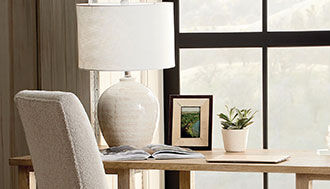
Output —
<point x="184" y="179"/>
<point x="303" y="181"/>
<point x="126" y="179"/>
<point x="23" y="177"/>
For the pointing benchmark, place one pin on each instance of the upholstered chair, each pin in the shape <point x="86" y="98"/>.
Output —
<point x="61" y="141"/>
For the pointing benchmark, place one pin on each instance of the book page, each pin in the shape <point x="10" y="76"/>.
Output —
<point x="162" y="151"/>
<point x="123" y="153"/>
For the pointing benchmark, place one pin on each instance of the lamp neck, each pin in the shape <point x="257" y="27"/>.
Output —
<point x="127" y="77"/>
<point x="128" y="74"/>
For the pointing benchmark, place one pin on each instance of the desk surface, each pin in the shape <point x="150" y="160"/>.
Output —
<point x="304" y="162"/>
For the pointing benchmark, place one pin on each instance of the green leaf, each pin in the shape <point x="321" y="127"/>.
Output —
<point x="236" y="118"/>
<point x="241" y="122"/>
<point x="226" y="125"/>
<point x="245" y="121"/>
<point x="240" y="115"/>
<point x="254" y="113"/>
<point x="231" y="113"/>
<point x="249" y="123"/>
<point x="227" y="108"/>
<point x="223" y="116"/>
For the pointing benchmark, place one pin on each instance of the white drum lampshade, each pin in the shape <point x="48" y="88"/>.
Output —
<point x="126" y="37"/>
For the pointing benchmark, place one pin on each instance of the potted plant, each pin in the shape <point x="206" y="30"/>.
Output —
<point x="235" y="129"/>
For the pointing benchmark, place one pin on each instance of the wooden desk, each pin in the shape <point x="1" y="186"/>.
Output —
<point x="306" y="165"/>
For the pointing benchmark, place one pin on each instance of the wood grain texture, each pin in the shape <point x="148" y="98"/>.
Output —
<point x="126" y="179"/>
<point x="58" y="53"/>
<point x="299" y="162"/>
<point x="5" y="60"/>
<point x="305" y="181"/>
<point x="1" y="147"/>
<point x="184" y="177"/>
<point x="24" y="70"/>
<point x="18" y="71"/>
<point x="302" y="162"/>
<point x="307" y="165"/>
<point x="23" y="177"/>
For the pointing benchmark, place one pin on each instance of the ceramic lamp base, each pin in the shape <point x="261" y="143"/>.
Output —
<point x="128" y="114"/>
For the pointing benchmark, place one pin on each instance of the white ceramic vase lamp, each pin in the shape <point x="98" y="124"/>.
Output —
<point x="126" y="37"/>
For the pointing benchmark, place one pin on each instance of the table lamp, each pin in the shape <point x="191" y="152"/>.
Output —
<point x="126" y="37"/>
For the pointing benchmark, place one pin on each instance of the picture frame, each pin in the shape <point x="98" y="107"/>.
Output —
<point x="190" y="121"/>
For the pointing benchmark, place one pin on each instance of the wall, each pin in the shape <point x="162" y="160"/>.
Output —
<point x="37" y="51"/>
<point x="18" y="71"/>
<point x="57" y="50"/>
<point x="5" y="92"/>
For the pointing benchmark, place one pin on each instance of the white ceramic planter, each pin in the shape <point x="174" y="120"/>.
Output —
<point x="235" y="140"/>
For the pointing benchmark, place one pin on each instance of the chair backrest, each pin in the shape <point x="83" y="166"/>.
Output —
<point x="60" y="139"/>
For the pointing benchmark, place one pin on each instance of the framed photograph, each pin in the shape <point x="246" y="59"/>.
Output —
<point x="190" y="123"/>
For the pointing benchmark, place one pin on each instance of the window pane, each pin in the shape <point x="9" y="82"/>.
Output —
<point x="298" y="15"/>
<point x="220" y="15"/>
<point x="299" y="101"/>
<point x="233" y="77"/>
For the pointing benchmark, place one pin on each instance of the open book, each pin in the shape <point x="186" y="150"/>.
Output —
<point x="156" y="151"/>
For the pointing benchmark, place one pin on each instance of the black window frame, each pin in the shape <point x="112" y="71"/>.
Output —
<point x="263" y="39"/>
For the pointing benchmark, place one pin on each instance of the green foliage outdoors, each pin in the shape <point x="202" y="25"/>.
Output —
<point x="236" y="118"/>
<point x="187" y="122"/>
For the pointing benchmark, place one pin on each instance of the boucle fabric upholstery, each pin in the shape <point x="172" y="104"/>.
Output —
<point x="61" y="141"/>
